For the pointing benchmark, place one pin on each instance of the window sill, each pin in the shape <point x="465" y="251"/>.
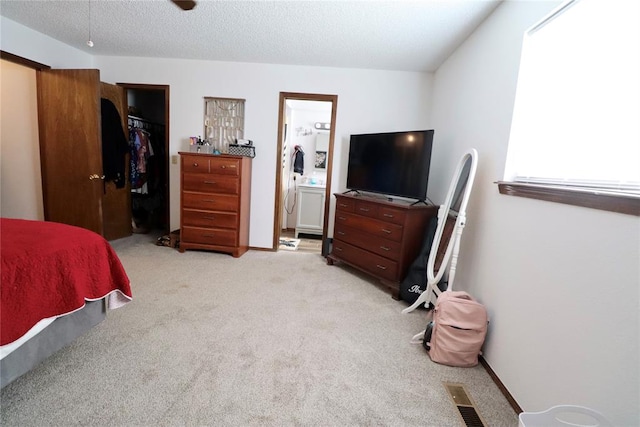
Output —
<point x="590" y="198"/>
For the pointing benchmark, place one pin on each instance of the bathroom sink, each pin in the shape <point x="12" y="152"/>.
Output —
<point x="309" y="184"/>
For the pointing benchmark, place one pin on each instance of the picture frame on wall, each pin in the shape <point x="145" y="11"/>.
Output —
<point x="321" y="160"/>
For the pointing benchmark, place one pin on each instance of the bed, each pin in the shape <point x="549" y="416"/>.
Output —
<point x="58" y="281"/>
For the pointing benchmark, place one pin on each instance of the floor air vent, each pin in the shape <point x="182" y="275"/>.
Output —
<point x="465" y="405"/>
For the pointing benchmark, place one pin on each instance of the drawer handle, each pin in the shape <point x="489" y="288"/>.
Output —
<point x="381" y="267"/>
<point x="209" y="200"/>
<point x="195" y="165"/>
<point x="341" y="218"/>
<point x="208" y="235"/>
<point x="384" y="248"/>
<point x="364" y="209"/>
<point x="209" y="217"/>
<point x="386" y="231"/>
<point x="342" y="205"/>
<point x="388" y="215"/>
<point x="342" y="233"/>
<point x="209" y="182"/>
<point x="338" y="249"/>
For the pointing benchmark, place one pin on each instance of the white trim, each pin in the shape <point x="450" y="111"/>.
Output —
<point x="611" y="187"/>
<point x="551" y="16"/>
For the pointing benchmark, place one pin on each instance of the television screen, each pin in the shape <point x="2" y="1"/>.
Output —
<point x="392" y="163"/>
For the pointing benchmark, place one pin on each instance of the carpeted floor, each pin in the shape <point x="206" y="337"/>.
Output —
<point x="269" y="339"/>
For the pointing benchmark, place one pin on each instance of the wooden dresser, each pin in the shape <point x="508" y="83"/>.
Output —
<point x="215" y="193"/>
<point x="378" y="236"/>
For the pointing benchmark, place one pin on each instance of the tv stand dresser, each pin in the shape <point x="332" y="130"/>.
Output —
<point x="379" y="236"/>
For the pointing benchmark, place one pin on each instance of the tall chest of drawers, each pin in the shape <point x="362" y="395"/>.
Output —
<point x="215" y="194"/>
<point x="380" y="237"/>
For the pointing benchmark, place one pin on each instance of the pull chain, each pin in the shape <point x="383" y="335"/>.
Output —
<point x="89" y="42"/>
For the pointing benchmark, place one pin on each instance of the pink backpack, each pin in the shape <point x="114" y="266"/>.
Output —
<point x="459" y="330"/>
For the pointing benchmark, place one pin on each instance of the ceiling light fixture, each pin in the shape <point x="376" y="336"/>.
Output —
<point x="90" y="42"/>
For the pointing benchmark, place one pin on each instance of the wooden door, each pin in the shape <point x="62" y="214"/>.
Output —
<point x="116" y="202"/>
<point x="70" y="148"/>
<point x="71" y="153"/>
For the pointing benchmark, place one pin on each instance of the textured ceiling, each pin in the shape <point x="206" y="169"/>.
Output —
<point x="387" y="35"/>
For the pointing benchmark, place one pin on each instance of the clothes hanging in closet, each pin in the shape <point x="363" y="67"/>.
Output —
<point x="114" y="144"/>
<point x="141" y="150"/>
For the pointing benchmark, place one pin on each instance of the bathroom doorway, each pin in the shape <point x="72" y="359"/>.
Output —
<point x="306" y="132"/>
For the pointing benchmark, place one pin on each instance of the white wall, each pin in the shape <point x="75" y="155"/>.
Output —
<point x="561" y="282"/>
<point x="367" y="101"/>
<point x="22" y="41"/>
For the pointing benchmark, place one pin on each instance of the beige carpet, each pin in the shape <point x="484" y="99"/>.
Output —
<point x="268" y="339"/>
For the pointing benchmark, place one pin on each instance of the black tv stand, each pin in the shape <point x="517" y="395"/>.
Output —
<point x="351" y="192"/>
<point x="420" y="201"/>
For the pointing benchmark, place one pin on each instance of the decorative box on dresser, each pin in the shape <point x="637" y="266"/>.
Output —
<point x="379" y="236"/>
<point x="215" y="193"/>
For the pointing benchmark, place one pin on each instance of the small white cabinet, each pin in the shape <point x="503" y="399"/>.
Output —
<point x="310" y="218"/>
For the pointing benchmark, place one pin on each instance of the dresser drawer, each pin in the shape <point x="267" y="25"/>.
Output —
<point x="377" y="265"/>
<point x="210" y="202"/>
<point x="209" y="183"/>
<point x="207" y="164"/>
<point x="396" y="216"/>
<point x="195" y="164"/>
<point x="225" y="166"/>
<point x="345" y="205"/>
<point x="209" y="236"/>
<point x="209" y="219"/>
<point x="379" y="245"/>
<point x="366" y="208"/>
<point x="370" y="225"/>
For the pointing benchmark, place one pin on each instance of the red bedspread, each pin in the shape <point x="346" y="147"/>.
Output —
<point x="49" y="269"/>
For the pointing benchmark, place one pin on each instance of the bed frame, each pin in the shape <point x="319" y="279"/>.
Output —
<point x="62" y="332"/>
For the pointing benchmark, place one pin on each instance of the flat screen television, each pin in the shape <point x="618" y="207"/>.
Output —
<point x="392" y="163"/>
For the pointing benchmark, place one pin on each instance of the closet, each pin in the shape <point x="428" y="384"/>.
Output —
<point x="148" y="158"/>
<point x="71" y="152"/>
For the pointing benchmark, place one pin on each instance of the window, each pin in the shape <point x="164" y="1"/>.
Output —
<point x="576" y="120"/>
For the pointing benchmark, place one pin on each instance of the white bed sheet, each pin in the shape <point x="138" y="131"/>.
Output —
<point x="115" y="299"/>
<point x="5" y="350"/>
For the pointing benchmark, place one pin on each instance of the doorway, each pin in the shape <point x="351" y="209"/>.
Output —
<point x="312" y="134"/>
<point x="148" y="123"/>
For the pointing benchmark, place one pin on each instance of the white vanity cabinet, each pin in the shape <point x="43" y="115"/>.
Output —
<point x="310" y="218"/>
